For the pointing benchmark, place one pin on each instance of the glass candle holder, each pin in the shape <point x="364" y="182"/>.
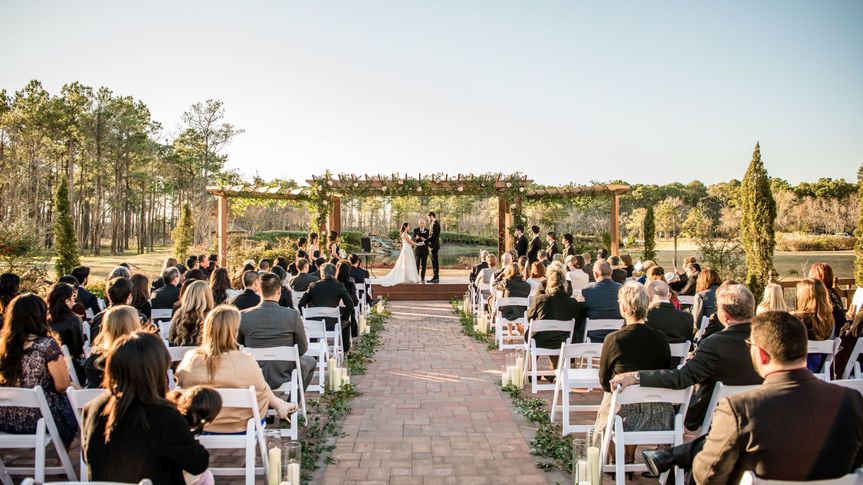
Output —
<point x="273" y="440"/>
<point x="580" y="469"/>
<point x="293" y="463"/>
<point x="594" y="461"/>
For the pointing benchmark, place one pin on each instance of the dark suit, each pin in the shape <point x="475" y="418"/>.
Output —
<point x="723" y="357"/>
<point x="514" y="287"/>
<point x="588" y="268"/>
<point x="618" y="276"/>
<point x="556" y="306"/>
<point x="434" y="246"/>
<point x="163" y="298"/>
<point x="271" y="325"/>
<point x="476" y="270"/>
<point x="302" y="281"/>
<point x="552" y="250"/>
<point x="675" y="324"/>
<point x="421" y="252"/>
<point x="89" y="300"/>
<point x="795" y="427"/>
<point x="360" y="275"/>
<point x="247" y="299"/>
<point x="680" y="284"/>
<point x="328" y="293"/>
<point x="533" y="251"/>
<point x="689" y="288"/>
<point x="705" y="304"/>
<point x="521" y="246"/>
<point x="568" y="251"/>
<point x="285" y="299"/>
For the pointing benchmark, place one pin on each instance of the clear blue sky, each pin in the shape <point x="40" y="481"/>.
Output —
<point x="646" y="91"/>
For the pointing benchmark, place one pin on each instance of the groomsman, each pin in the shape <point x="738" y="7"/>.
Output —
<point x="520" y="241"/>
<point x="552" y="245"/>
<point x="421" y="235"/>
<point x="434" y="246"/>
<point x="535" y="245"/>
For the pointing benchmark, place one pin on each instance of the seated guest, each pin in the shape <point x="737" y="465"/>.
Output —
<point x="577" y="277"/>
<point x="774" y="430"/>
<point x="773" y="300"/>
<point x="169" y="293"/>
<point x="285" y="298"/>
<point x="488" y="274"/>
<point x="89" y="300"/>
<point x="141" y="294"/>
<point x="301" y="281"/>
<point x="588" y="266"/>
<point x="204" y="265"/>
<point x="343" y="276"/>
<point x="218" y="362"/>
<point x="77" y="307"/>
<point x="662" y="316"/>
<point x="249" y="297"/>
<point x="720" y="358"/>
<point x="534" y="274"/>
<point x="264" y="265"/>
<point x="329" y="293"/>
<point x="513" y="286"/>
<point x="690" y="281"/>
<point x="160" y="282"/>
<point x="191" y="263"/>
<point x="220" y="285"/>
<point x="66" y="325"/>
<point x="237" y="280"/>
<point x="816" y="313"/>
<point x="30" y="357"/>
<point x="119" y="320"/>
<point x="543" y="257"/>
<point x="10" y="287"/>
<point x="282" y="262"/>
<point x="189" y="318"/>
<point x="635" y="347"/>
<point x="272" y="325"/>
<point x="119" y="292"/>
<point x="556" y="304"/>
<point x="824" y="273"/>
<point x="644" y="271"/>
<point x="618" y="275"/>
<point x="359" y="274"/>
<point x="132" y="432"/>
<point x="600" y="298"/>
<point x="506" y="259"/>
<point x="477" y="268"/>
<point x="120" y="272"/>
<point x="705" y="294"/>
<point x="627" y="265"/>
<point x="195" y="275"/>
<point x="315" y="267"/>
<point x="568" y="248"/>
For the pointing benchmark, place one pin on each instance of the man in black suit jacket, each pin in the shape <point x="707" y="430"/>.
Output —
<point x="329" y="293"/>
<point x="421" y="235"/>
<point x="535" y="245"/>
<point x="551" y="239"/>
<point x="434" y="246"/>
<point x="359" y="274"/>
<point x="89" y="300"/>
<point x="723" y="357"/>
<point x="168" y="294"/>
<point x="520" y="241"/>
<point x="477" y="268"/>
<point x="249" y="297"/>
<point x="301" y="281"/>
<point x="675" y="324"/>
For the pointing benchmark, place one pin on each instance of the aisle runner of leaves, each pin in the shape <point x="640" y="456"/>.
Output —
<point x="552" y="449"/>
<point x="326" y="414"/>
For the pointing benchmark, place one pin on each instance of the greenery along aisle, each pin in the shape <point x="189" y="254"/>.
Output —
<point x="325" y="414"/>
<point x="468" y="325"/>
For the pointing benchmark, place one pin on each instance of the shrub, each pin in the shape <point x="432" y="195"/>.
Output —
<point x="18" y="247"/>
<point x="240" y="249"/>
<point x="808" y="242"/>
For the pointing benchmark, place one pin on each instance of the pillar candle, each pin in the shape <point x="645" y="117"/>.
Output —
<point x="274" y="467"/>
<point x="294" y="473"/>
<point x="593" y="465"/>
<point x="581" y="472"/>
<point x="504" y="377"/>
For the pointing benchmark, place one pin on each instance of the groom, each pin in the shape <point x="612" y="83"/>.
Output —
<point x="434" y="246"/>
<point x="421" y="237"/>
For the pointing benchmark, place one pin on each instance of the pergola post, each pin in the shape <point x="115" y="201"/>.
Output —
<point x="615" y="224"/>
<point x="334" y="222"/>
<point x="502" y="224"/>
<point x="222" y="231"/>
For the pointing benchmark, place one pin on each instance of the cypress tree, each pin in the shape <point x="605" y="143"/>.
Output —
<point x="858" y="246"/>
<point x="65" y="240"/>
<point x="649" y="235"/>
<point x="758" y="213"/>
<point x="184" y="233"/>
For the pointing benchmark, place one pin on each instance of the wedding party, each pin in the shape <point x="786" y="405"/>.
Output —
<point x="431" y="243"/>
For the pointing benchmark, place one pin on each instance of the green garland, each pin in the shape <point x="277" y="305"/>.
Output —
<point x="467" y="321"/>
<point x="325" y="414"/>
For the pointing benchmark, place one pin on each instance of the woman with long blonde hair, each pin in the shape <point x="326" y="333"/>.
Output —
<point x="186" y="324"/>
<point x="773" y="300"/>
<point x="814" y="308"/>
<point x="119" y="320"/>
<point x="218" y="362"/>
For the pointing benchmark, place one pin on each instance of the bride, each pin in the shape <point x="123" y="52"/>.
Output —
<point x="405" y="269"/>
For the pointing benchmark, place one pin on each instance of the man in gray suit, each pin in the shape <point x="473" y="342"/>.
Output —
<point x="302" y="281"/>
<point x="270" y="325"/>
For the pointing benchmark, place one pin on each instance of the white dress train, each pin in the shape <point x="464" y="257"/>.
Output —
<point x="405" y="270"/>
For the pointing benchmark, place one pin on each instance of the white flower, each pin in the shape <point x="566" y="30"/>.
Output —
<point x="356" y="184"/>
<point x="460" y="188"/>
<point x="521" y="189"/>
<point x="419" y="189"/>
<point x="508" y="184"/>
<point x="401" y="182"/>
<point x="384" y="188"/>
<point x="513" y="206"/>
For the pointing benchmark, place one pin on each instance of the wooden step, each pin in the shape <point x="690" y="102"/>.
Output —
<point x="428" y="291"/>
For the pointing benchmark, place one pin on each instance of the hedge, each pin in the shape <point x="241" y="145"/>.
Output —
<point x="807" y="242"/>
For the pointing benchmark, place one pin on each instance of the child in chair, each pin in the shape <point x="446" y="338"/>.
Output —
<point x="199" y="405"/>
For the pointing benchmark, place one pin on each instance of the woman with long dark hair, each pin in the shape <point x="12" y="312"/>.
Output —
<point x="66" y="324"/>
<point x="30" y="357"/>
<point x="132" y="432"/>
<point x="10" y="286"/>
<point x="314" y="248"/>
<point x="141" y="295"/>
<point x="220" y="285"/>
<point x="705" y="294"/>
<point x="333" y="245"/>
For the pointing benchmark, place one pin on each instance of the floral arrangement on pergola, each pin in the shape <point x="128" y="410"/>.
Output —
<point x="324" y="193"/>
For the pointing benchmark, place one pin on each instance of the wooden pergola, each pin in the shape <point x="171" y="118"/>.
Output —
<point x="510" y="190"/>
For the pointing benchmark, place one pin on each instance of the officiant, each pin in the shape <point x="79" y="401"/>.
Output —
<point x="421" y="237"/>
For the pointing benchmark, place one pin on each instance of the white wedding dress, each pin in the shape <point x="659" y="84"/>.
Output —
<point x="405" y="270"/>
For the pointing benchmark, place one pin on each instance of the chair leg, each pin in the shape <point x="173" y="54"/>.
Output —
<point x="554" y="400"/>
<point x="533" y="362"/>
<point x="5" y="478"/>
<point x="619" y="452"/>
<point x="564" y="407"/>
<point x="39" y="458"/>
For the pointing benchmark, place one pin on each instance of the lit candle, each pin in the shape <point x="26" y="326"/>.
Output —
<point x="294" y="473"/>
<point x="519" y="364"/>
<point x="274" y="467"/>
<point x="581" y="472"/>
<point x="504" y="377"/>
<point x="593" y="465"/>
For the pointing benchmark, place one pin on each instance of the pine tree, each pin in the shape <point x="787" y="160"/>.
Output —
<point x="65" y="240"/>
<point x="184" y="233"/>
<point x="649" y="235"/>
<point x="858" y="246"/>
<point x="758" y="213"/>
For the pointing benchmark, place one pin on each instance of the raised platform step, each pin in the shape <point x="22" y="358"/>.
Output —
<point x="428" y="291"/>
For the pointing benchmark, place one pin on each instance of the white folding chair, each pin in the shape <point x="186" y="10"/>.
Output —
<point x="701" y="328"/>
<point x="680" y="351"/>
<point x="79" y="398"/>
<point x="855" y="478"/>
<point x="852" y="366"/>
<point x="254" y="435"/>
<point x="850" y="383"/>
<point x="686" y="299"/>
<point x="161" y="314"/>
<point x="504" y="341"/>
<point x="88" y="314"/>
<point x="828" y="347"/>
<point x="101" y="302"/>
<point x="320" y="313"/>
<point x="533" y="352"/>
<point x="568" y="378"/>
<point x="719" y="392"/>
<point x="601" y="324"/>
<point x="316" y="333"/>
<point x="483" y="286"/>
<point x="30" y="481"/>
<point x="46" y="434"/>
<point x="294" y="387"/>
<point x="85" y="329"/>
<point x="614" y="428"/>
<point x="296" y="296"/>
<point x="70" y="367"/>
<point x="177" y="354"/>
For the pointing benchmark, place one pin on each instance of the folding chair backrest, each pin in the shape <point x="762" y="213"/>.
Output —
<point x="315" y="329"/>
<point x="177" y="353"/>
<point x="699" y="334"/>
<point x="719" y="392"/>
<point x="680" y="350"/>
<point x="320" y="312"/>
<point x="850" y="383"/>
<point x="686" y="299"/>
<point x="829" y="347"/>
<point x="296" y="296"/>
<point x="19" y="397"/>
<point x="852" y="358"/>
<point x="601" y="324"/>
<point x="539" y="326"/>
<point x="283" y="354"/>
<point x="638" y="394"/>
<point x="855" y="478"/>
<point x="70" y="367"/>
<point x="577" y="351"/>
<point x="161" y="314"/>
<point x="165" y="329"/>
<point x="80" y="398"/>
<point x="512" y="301"/>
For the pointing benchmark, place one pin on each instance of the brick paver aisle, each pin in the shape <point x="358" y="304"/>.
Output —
<point x="431" y="412"/>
